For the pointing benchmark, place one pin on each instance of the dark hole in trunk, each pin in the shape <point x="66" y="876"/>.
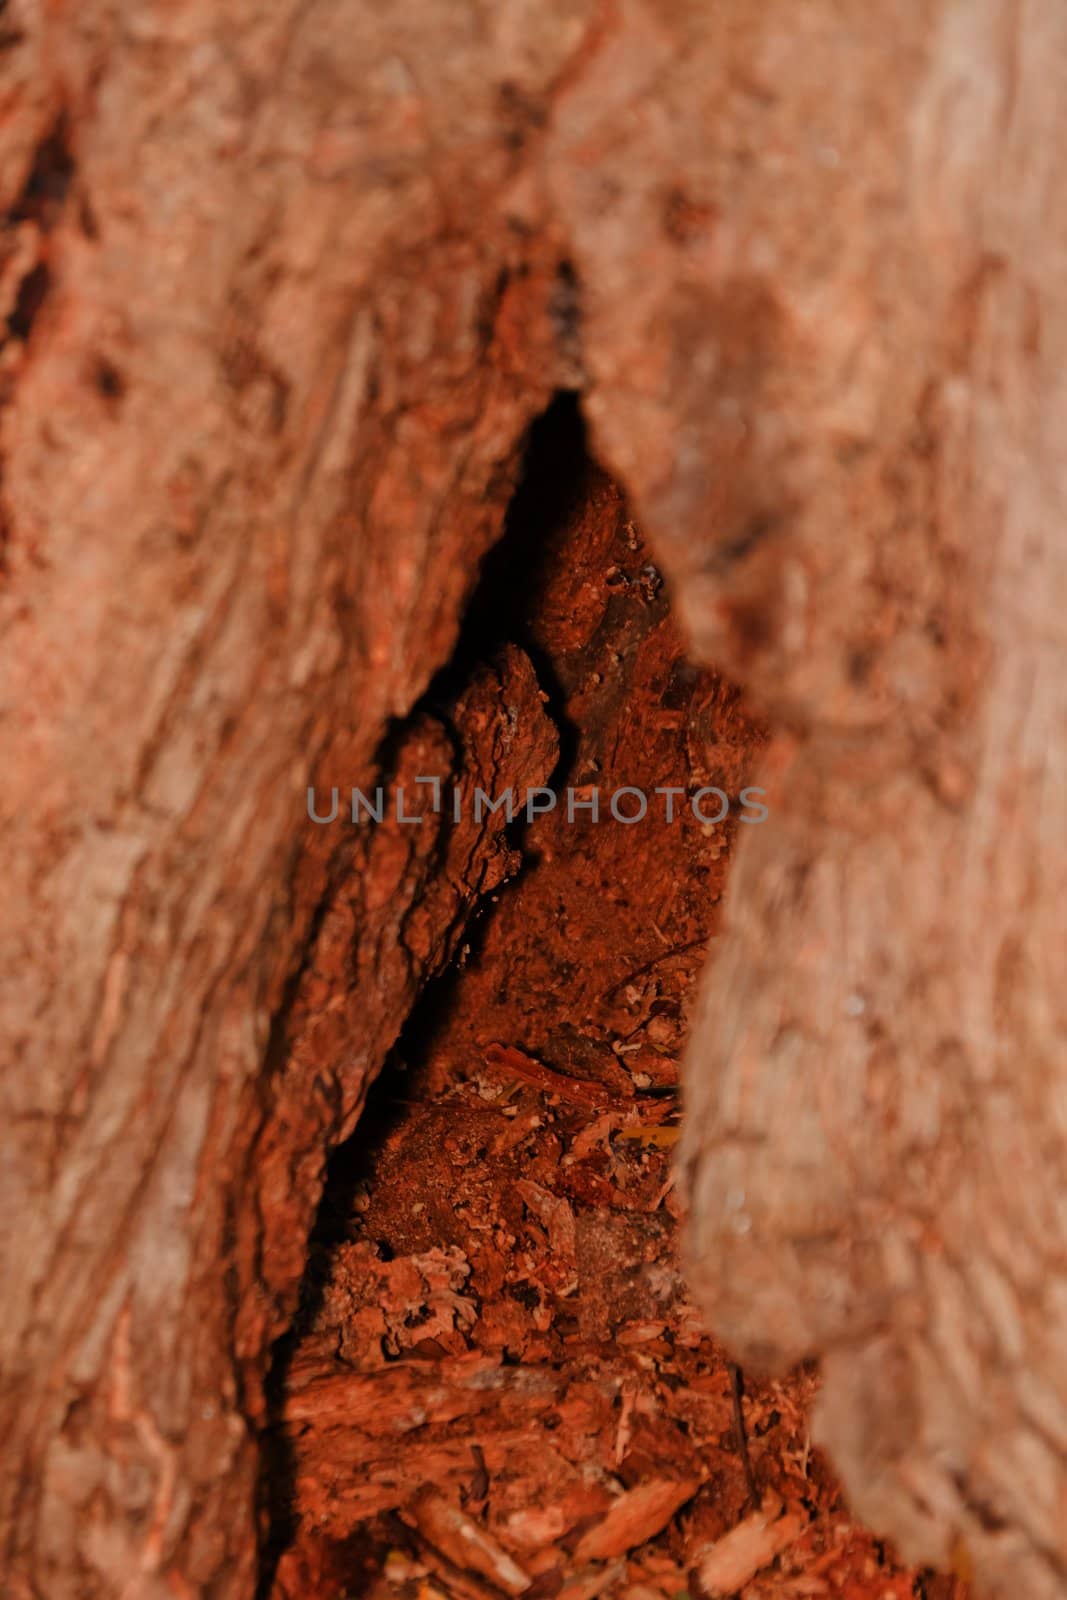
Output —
<point x="493" y="1277"/>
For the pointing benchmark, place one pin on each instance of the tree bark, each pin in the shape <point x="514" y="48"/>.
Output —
<point x="875" y="1141"/>
<point x="283" y="291"/>
<point x="275" y="334"/>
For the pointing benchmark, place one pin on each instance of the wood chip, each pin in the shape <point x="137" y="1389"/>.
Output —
<point x="589" y="1584"/>
<point x="537" y="1529"/>
<point x="465" y="1543"/>
<point x="734" y="1560"/>
<point x="517" y="1064"/>
<point x="637" y="1515"/>
<point x="557" y="1215"/>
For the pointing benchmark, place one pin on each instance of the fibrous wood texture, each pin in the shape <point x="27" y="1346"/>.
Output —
<point x="275" y="338"/>
<point x="283" y="288"/>
<point x="876" y="1138"/>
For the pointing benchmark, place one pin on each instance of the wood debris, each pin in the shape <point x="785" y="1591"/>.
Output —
<point x="734" y="1560"/>
<point x="517" y="1064"/>
<point x="499" y="1368"/>
<point x="464" y="1542"/>
<point x="636" y="1516"/>
<point x="593" y="1582"/>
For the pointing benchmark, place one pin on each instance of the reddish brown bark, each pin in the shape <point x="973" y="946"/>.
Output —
<point x="264" y="393"/>
<point x="283" y="290"/>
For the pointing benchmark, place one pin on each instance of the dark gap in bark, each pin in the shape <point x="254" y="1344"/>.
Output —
<point x="515" y="571"/>
<point x="31" y="296"/>
<point x="45" y="190"/>
<point x="509" y="589"/>
<point x="550" y="1255"/>
<point x="512" y="577"/>
<point x="41" y="201"/>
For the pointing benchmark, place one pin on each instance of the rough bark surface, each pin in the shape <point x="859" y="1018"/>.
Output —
<point x="282" y="290"/>
<point x="274" y="336"/>
<point x="876" y="1141"/>
<point x="399" y="899"/>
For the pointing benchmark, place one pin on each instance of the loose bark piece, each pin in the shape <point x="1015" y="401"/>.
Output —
<point x="463" y="1541"/>
<point x="739" y="1555"/>
<point x="399" y="901"/>
<point x="596" y="1581"/>
<point x="516" y="1063"/>
<point x="635" y="1516"/>
<point x="365" y="1442"/>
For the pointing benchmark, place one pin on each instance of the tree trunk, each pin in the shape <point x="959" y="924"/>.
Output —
<point x="283" y="291"/>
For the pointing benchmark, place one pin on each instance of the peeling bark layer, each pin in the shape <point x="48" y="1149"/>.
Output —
<point x="397" y="906"/>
